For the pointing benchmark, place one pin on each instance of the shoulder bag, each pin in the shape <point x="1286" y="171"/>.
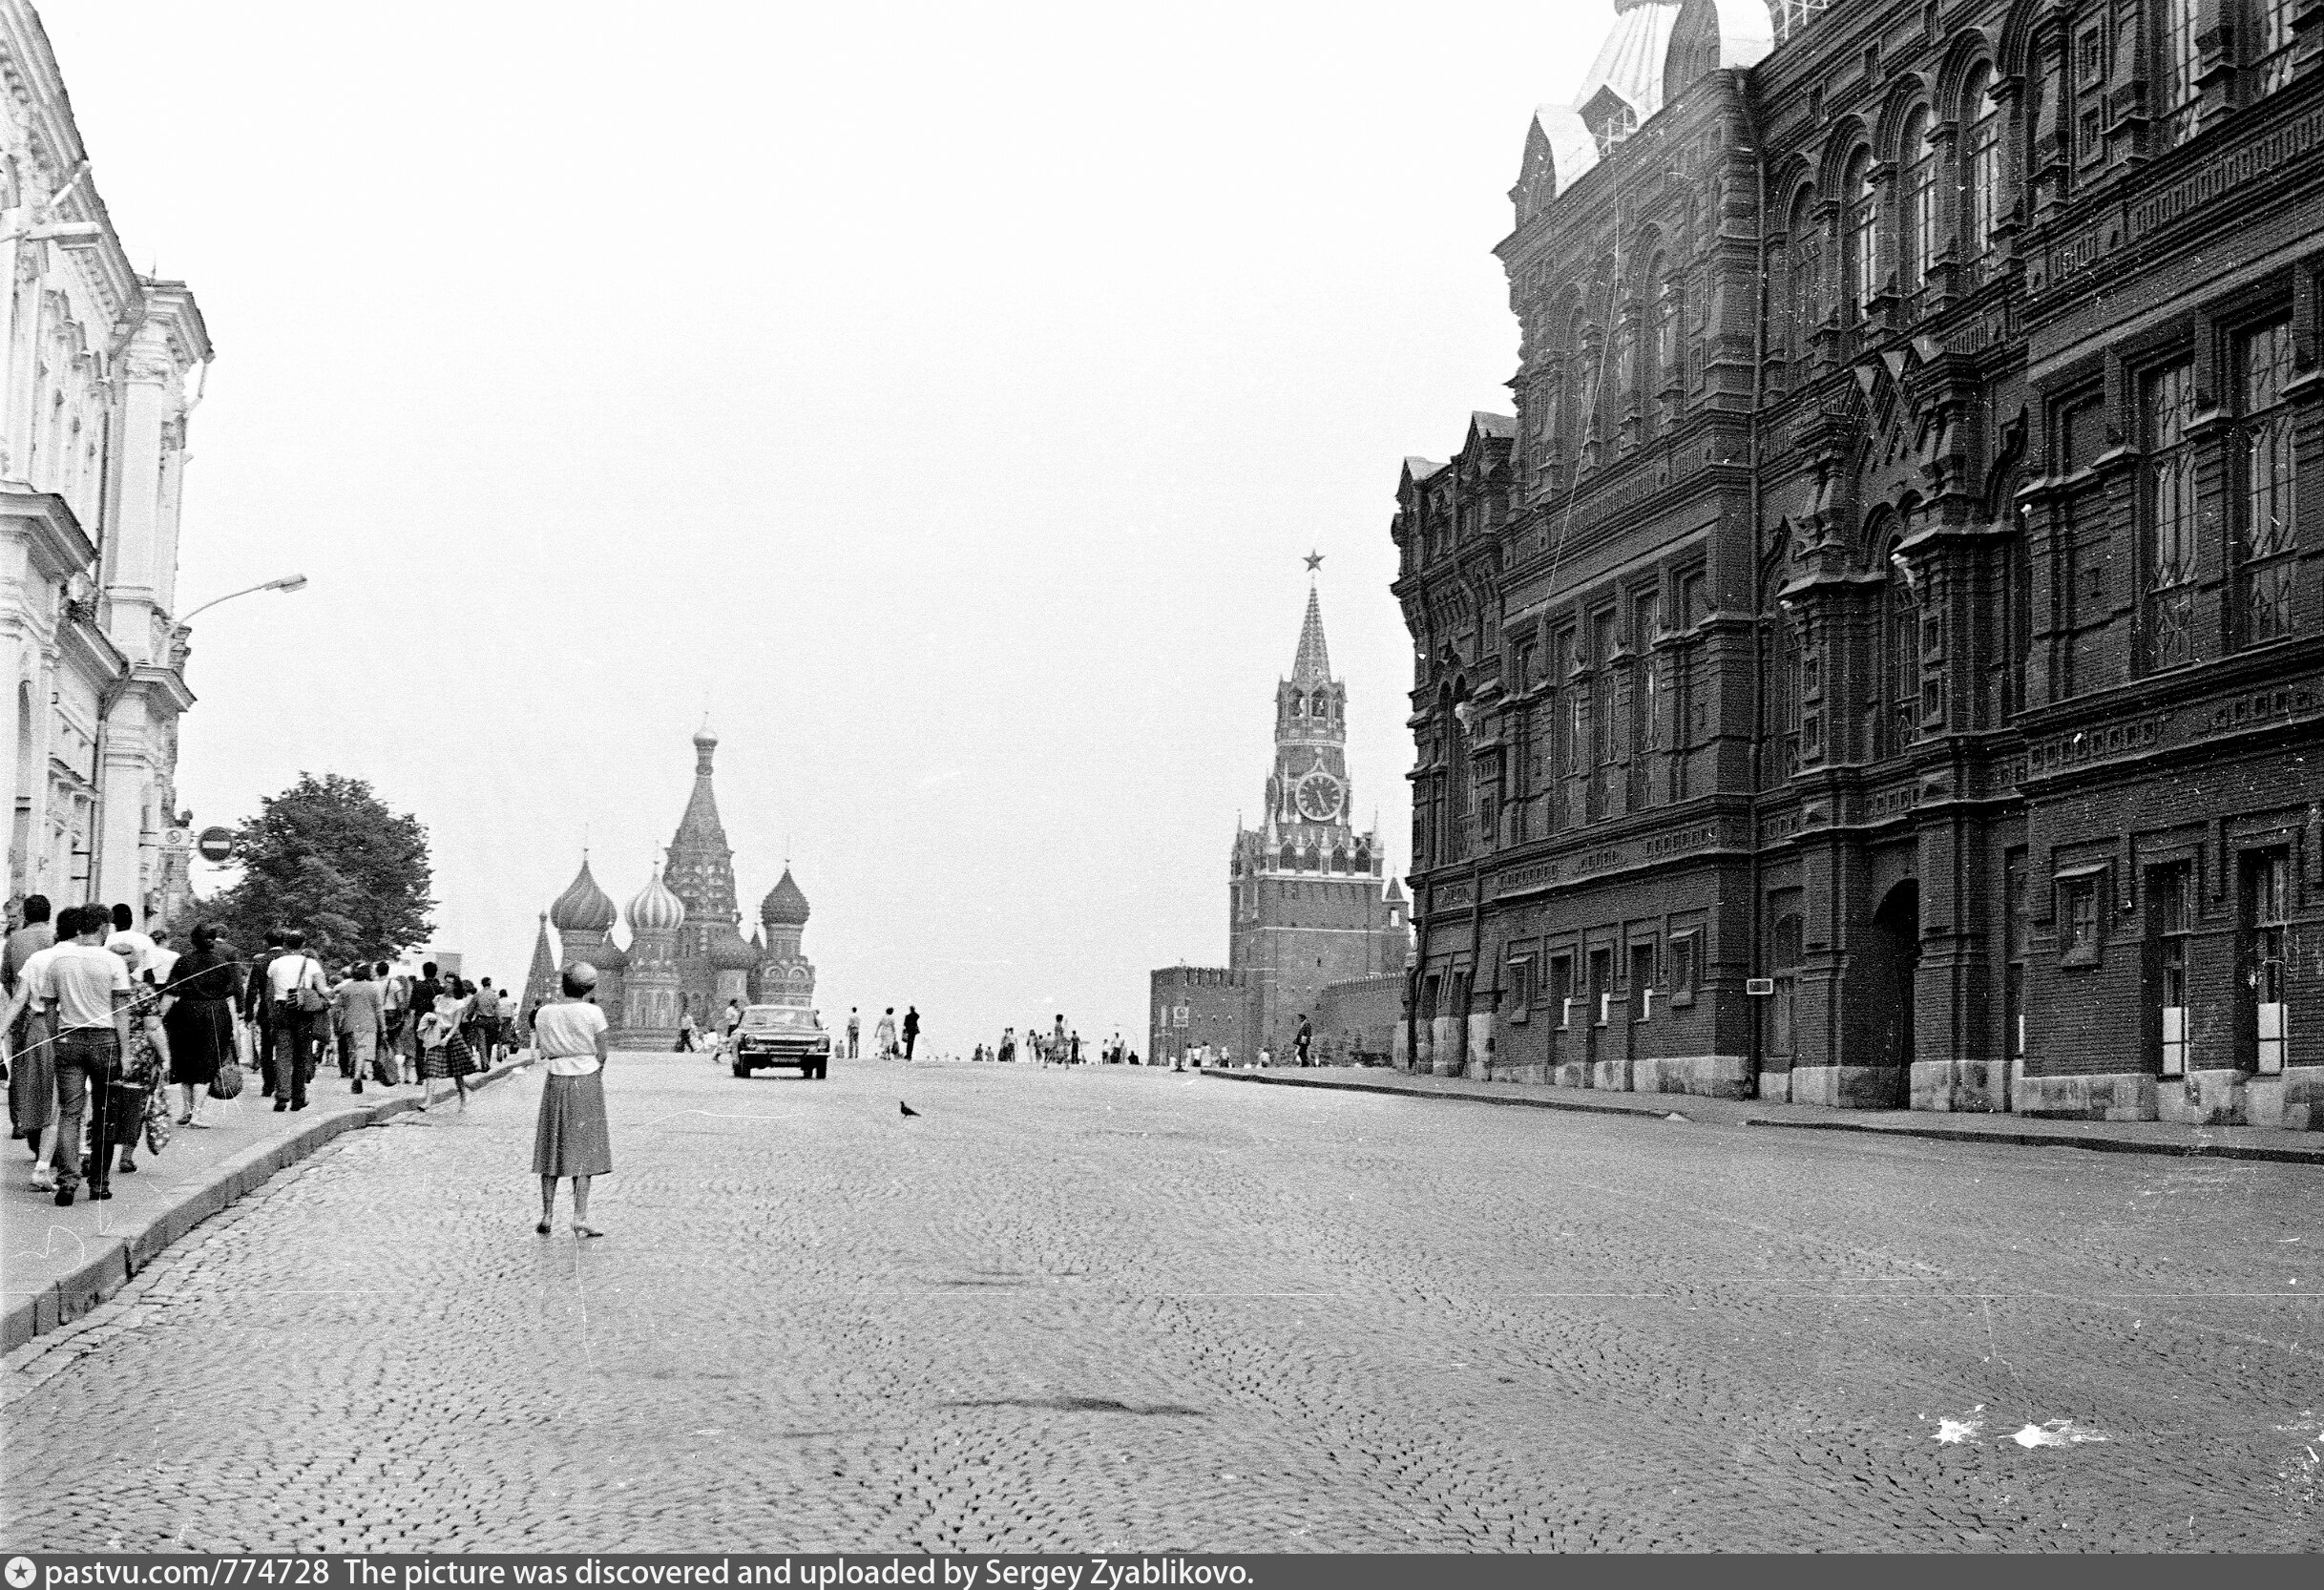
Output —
<point x="309" y="998"/>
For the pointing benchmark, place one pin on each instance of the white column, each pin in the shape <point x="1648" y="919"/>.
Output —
<point x="127" y="787"/>
<point x="133" y="557"/>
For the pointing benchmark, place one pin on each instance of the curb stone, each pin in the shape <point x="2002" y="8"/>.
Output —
<point x="2027" y="1139"/>
<point x="1648" y="1112"/>
<point x="2004" y="1137"/>
<point x="123" y="1254"/>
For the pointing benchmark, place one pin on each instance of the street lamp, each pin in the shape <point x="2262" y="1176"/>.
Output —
<point x="287" y="582"/>
<point x="112" y="695"/>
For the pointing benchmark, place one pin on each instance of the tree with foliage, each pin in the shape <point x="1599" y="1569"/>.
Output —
<point x="327" y="857"/>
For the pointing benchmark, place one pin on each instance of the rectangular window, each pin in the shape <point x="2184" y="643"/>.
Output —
<point x="1642" y="968"/>
<point x="1646" y="703"/>
<point x="2167" y="927"/>
<point x="1788" y="697"/>
<point x="1561" y="985"/>
<point x="2267" y="901"/>
<point x="1985" y="172"/>
<point x="2018" y="941"/>
<point x="1520" y="990"/>
<point x="2181" y="61"/>
<point x="2266" y="542"/>
<point x="1682" y="947"/>
<point x="2078" y="925"/>
<point x="2271" y="44"/>
<point x="2170" y="509"/>
<point x="1601" y="982"/>
<point x="1527" y="667"/>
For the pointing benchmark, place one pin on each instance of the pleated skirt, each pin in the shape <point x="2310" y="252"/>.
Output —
<point x="571" y="1137"/>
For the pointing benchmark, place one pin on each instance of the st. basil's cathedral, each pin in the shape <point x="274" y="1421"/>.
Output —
<point x="686" y="953"/>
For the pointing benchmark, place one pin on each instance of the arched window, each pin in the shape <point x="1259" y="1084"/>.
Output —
<point x="2181" y="60"/>
<point x="1320" y="706"/>
<point x="1980" y="173"/>
<point x="1662" y="347"/>
<point x="1299" y="705"/>
<point x="1922" y="230"/>
<point x="1804" y="255"/>
<point x="1863" y="234"/>
<point x="1289" y="859"/>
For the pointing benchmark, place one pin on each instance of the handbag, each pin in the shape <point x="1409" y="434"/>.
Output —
<point x="310" y="999"/>
<point x="228" y="1082"/>
<point x="156" y="1121"/>
<point x="384" y="1069"/>
<point x="125" y="1112"/>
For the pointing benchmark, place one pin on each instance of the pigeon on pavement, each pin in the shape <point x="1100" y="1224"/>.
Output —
<point x="906" y="1108"/>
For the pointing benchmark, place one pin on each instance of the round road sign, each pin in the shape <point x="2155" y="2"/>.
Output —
<point x="216" y="844"/>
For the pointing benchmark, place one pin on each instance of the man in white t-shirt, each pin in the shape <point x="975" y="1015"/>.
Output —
<point x="298" y="1031"/>
<point x="84" y="990"/>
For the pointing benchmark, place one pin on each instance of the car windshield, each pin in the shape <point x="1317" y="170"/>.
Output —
<point x="760" y="1018"/>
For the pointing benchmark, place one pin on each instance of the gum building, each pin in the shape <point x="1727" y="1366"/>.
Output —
<point x="1881" y="661"/>
<point x="1310" y="927"/>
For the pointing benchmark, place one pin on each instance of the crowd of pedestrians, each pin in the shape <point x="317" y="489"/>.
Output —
<point x="103" y="1021"/>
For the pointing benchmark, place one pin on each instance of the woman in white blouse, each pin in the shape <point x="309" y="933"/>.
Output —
<point x="571" y="1139"/>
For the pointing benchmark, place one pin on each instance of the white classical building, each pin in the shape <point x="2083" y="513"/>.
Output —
<point x="94" y="362"/>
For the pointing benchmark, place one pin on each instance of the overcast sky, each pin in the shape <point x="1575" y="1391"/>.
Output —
<point x="943" y="395"/>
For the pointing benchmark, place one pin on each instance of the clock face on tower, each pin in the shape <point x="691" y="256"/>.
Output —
<point x="1319" y="797"/>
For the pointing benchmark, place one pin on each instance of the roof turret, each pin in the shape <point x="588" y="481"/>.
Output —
<point x="655" y="909"/>
<point x="583" y="907"/>
<point x="785" y="905"/>
<point x="728" y="952"/>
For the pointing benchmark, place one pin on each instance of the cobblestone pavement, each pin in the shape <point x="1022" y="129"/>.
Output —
<point x="1120" y="1309"/>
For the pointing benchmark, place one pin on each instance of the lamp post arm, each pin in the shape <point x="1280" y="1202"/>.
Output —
<point x="263" y="585"/>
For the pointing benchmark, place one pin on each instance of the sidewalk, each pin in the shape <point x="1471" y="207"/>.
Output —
<point x="59" y="1263"/>
<point x="2112" y="1137"/>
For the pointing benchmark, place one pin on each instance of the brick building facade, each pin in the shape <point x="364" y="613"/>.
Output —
<point x="1882" y="661"/>
<point x="1306" y="907"/>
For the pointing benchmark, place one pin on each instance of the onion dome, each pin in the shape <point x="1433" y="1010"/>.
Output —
<point x="785" y="906"/>
<point x="655" y="909"/>
<point x="729" y="953"/>
<point x="583" y="907"/>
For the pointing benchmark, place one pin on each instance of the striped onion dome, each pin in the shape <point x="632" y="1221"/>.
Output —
<point x="655" y="909"/>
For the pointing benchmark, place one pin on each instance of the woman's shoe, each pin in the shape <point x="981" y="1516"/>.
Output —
<point x="185" y="1120"/>
<point x="542" y="1228"/>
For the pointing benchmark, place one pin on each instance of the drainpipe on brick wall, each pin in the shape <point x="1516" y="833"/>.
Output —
<point x="1759" y="617"/>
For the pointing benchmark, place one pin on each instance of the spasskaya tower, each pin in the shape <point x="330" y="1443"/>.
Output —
<point x="1307" y="904"/>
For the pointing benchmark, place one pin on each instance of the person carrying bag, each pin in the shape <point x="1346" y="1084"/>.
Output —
<point x="295" y="981"/>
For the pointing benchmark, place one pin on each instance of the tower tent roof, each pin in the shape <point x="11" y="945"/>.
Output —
<point x="541" y="981"/>
<point x="1313" y="663"/>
